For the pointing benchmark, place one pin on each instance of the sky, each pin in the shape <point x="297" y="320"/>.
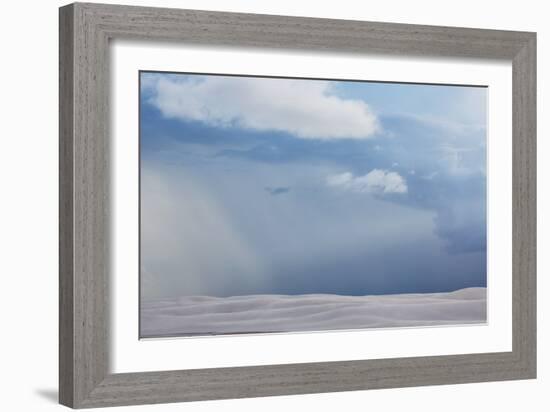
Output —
<point x="254" y="185"/>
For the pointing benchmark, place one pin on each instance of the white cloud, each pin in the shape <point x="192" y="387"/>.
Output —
<point x="306" y="109"/>
<point x="461" y="161"/>
<point x="376" y="181"/>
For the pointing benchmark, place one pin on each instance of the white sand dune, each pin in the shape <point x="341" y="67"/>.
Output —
<point x="204" y="315"/>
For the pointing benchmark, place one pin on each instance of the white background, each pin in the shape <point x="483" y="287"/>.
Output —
<point x="28" y="211"/>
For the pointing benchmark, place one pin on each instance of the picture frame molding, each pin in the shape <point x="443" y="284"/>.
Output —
<point x="85" y="31"/>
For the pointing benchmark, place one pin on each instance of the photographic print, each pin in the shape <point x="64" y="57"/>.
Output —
<point x="276" y="205"/>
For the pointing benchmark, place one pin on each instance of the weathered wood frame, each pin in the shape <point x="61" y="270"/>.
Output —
<point x="85" y="31"/>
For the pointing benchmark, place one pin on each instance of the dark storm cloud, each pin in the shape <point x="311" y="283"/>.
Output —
<point x="438" y="178"/>
<point x="274" y="191"/>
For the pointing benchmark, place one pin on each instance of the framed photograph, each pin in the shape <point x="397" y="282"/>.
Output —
<point x="257" y="205"/>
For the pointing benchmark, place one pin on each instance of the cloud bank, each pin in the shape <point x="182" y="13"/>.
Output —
<point x="236" y="211"/>
<point x="376" y="181"/>
<point x="305" y="109"/>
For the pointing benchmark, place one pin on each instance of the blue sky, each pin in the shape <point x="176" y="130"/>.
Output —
<point x="286" y="186"/>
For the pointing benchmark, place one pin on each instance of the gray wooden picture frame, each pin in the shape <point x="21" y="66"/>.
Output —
<point x="85" y="32"/>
